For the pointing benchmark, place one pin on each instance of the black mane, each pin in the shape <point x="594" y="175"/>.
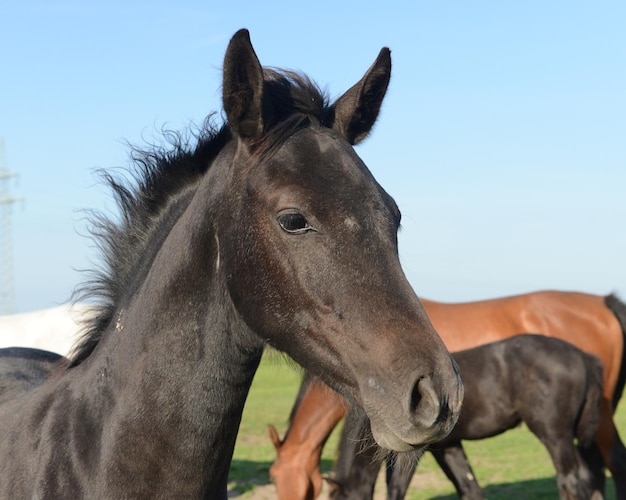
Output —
<point x="160" y="183"/>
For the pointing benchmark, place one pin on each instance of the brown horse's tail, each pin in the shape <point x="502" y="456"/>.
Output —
<point x="589" y="418"/>
<point x="618" y="308"/>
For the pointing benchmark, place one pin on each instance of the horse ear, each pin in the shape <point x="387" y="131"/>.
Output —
<point x="355" y="112"/>
<point x="242" y="87"/>
<point x="274" y="437"/>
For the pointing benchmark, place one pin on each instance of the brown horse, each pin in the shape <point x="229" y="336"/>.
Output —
<point x="594" y="324"/>
<point x="297" y="464"/>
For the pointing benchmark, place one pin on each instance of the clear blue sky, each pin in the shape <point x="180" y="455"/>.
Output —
<point x="502" y="138"/>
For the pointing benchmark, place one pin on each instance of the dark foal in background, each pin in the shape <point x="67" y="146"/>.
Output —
<point x="550" y="385"/>
<point x="593" y="323"/>
<point x="268" y="229"/>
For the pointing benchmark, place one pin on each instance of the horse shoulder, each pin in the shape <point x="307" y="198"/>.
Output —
<point x="488" y="403"/>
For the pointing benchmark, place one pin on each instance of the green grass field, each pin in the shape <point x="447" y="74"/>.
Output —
<point x="511" y="466"/>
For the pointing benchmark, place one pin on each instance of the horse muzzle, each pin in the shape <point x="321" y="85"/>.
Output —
<point x="427" y="410"/>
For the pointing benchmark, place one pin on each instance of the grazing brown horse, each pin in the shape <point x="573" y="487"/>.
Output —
<point x="267" y="229"/>
<point x="296" y="471"/>
<point x="550" y="385"/>
<point x="594" y="324"/>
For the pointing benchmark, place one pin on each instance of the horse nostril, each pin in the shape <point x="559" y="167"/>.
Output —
<point x="416" y="397"/>
<point x="425" y="407"/>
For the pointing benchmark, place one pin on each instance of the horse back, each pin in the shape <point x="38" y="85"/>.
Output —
<point x="581" y="319"/>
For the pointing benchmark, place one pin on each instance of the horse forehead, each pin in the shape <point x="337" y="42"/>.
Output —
<point x="320" y="163"/>
<point x="318" y="149"/>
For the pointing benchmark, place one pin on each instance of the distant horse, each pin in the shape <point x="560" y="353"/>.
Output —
<point x="297" y="453"/>
<point x="594" y="324"/>
<point x="54" y="329"/>
<point x="549" y="384"/>
<point x="268" y="230"/>
<point x="23" y="369"/>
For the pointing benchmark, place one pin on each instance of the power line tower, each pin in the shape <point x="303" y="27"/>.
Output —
<point x="7" y="291"/>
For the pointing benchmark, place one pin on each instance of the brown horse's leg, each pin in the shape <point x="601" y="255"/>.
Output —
<point x="612" y="449"/>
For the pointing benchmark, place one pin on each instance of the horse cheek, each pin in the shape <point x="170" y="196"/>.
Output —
<point x="255" y="285"/>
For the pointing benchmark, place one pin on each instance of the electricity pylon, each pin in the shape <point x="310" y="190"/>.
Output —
<point x="7" y="290"/>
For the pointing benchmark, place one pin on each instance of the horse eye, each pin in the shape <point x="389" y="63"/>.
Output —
<point x="294" y="223"/>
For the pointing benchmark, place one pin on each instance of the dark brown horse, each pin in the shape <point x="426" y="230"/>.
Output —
<point x="593" y="323"/>
<point x="23" y="369"/>
<point x="267" y="230"/>
<point x="544" y="382"/>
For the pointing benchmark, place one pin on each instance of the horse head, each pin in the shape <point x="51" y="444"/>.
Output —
<point x="308" y="248"/>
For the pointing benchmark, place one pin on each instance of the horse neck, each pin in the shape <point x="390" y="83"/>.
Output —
<point x="177" y="360"/>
